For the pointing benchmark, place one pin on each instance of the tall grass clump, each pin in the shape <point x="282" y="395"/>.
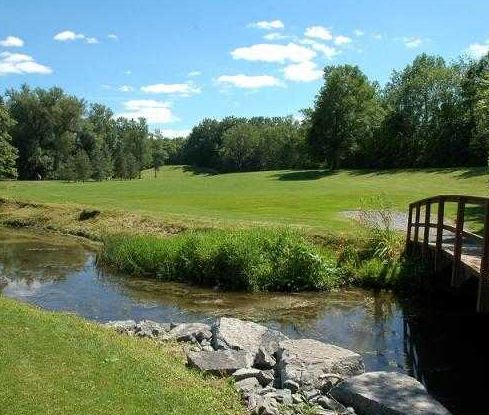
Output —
<point x="252" y="259"/>
<point x="376" y="260"/>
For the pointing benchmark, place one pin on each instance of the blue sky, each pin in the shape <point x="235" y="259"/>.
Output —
<point x="176" y="62"/>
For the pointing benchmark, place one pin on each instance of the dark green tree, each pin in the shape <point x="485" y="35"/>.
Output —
<point x="8" y="153"/>
<point x="347" y="111"/>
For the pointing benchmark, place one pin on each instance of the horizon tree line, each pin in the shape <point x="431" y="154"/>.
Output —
<point x="429" y="114"/>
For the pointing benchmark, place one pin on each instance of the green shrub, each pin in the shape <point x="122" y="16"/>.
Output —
<point x="253" y="259"/>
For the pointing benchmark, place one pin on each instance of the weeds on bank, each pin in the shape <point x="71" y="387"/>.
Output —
<point x="254" y="259"/>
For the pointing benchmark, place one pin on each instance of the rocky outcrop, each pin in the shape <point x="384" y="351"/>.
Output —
<point x="190" y="332"/>
<point x="387" y="393"/>
<point x="279" y="376"/>
<point x="254" y="338"/>
<point x="307" y="362"/>
<point x="219" y="362"/>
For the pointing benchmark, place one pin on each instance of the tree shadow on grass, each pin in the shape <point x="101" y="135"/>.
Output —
<point x="199" y="171"/>
<point x="463" y="172"/>
<point x="304" y="175"/>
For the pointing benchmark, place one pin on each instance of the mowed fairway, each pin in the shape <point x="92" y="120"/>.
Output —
<point x="311" y="199"/>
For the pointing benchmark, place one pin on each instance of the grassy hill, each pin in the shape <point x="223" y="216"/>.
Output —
<point x="312" y="199"/>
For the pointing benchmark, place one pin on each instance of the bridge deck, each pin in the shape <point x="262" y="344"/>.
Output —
<point x="467" y="252"/>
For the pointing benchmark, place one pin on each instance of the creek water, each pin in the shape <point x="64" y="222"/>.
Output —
<point x="446" y="350"/>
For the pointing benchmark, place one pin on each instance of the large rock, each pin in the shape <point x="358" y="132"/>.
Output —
<point x="252" y="337"/>
<point x="220" y="362"/>
<point x="152" y="329"/>
<point x="387" y="393"/>
<point x="123" y="326"/>
<point x="190" y="332"/>
<point x="307" y="361"/>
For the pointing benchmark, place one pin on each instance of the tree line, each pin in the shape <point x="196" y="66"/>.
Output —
<point x="48" y="134"/>
<point x="429" y="114"/>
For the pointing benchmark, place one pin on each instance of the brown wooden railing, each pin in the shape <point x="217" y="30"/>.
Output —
<point x="417" y="223"/>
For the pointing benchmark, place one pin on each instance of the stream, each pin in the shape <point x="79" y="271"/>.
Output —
<point x="444" y="349"/>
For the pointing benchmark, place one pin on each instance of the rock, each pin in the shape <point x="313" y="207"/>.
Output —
<point x="208" y="348"/>
<point x="149" y="328"/>
<point x="246" y="335"/>
<point x="387" y="393"/>
<point x="251" y="401"/>
<point x="283" y="396"/>
<point x="245" y="373"/>
<point x="311" y="394"/>
<point x="264" y="377"/>
<point x="305" y="361"/>
<point x="267" y="406"/>
<point x="329" y="403"/>
<point x="3" y="282"/>
<point x="297" y="398"/>
<point x="293" y="386"/>
<point x="123" y="327"/>
<point x="221" y="362"/>
<point x="266" y="390"/>
<point x="247" y="386"/>
<point x="190" y="332"/>
<point x="263" y="359"/>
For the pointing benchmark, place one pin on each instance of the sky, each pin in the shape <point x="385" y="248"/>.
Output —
<point x="177" y="62"/>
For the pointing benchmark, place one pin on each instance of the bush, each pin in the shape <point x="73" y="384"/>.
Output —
<point x="253" y="259"/>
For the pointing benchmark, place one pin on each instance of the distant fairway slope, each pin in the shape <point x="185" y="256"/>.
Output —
<point x="312" y="199"/>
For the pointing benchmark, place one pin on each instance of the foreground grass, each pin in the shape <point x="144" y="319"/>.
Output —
<point x="310" y="199"/>
<point x="53" y="363"/>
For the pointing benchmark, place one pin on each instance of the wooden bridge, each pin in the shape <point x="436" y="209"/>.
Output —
<point x="444" y="242"/>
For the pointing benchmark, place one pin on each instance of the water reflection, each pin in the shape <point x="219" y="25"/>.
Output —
<point x="60" y="274"/>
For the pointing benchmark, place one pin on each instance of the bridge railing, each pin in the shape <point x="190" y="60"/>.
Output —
<point x="420" y="220"/>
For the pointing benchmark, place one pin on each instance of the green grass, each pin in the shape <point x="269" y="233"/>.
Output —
<point x="255" y="259"/>
<point x="309" y="199"/>
<point x="52" y="363"/>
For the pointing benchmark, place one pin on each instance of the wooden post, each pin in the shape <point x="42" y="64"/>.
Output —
<point x="416" y="223"/>
<point x="483" y="294"/>
<point x="457" y="250"/>
<point x="426" y="235"/>
<point x="439" y="234"/>
<point x="409" y="225"/>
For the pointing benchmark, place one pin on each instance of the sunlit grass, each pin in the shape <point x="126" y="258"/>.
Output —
<point x="309" y="199"/>
<point x="53" y="363"/>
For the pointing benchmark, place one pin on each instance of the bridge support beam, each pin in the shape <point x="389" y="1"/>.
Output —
<point x="483" y="294"/>
<point x="457" y="249"/>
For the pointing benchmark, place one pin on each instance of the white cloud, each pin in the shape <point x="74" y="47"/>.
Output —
<point x="303" y="72"/>
<point x="194" y="73"/>
<point x="249" y="82"/>
<point x="318" y="32"/>
<point x="478" y="50"/>
<point x="113" y="36"/>
<point x="328" y="51"/>
<point x="268" y="25"/>
<point x="155" y="112"/>
<point x="412" y="42"/>
<point x="358" y="32"/>
<point x="267" y="52"/>
<point x="342" y="40"/>
<point x="377" y="36"/>
<point x="274" y="36"/>
<point x="126" y="88"/>
<point x="69" y="36"/>
<point x="171" y="133"/>
<point x="185" y="89"/>
<point x="19" y="63"/>
<point x="12" y="42"/>
<point x="128" y="72"/>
